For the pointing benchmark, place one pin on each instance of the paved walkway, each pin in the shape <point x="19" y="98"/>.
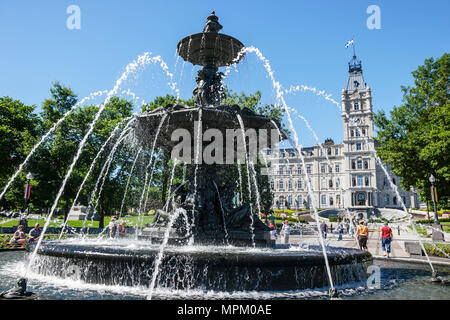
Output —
<point x="373" y="244"/>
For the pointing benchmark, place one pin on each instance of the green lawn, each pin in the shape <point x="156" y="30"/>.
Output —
<point x="131" y="221"/>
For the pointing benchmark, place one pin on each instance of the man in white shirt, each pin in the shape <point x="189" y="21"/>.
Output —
<point x="285" y="231"/>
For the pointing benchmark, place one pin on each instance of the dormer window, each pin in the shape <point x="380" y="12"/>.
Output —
<point x="356" y="84"/>
<point x="356" y="105"/>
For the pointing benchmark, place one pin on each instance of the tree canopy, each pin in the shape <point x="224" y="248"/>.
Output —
<point x="415" y="139"/>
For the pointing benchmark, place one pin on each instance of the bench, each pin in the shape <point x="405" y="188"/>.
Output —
<point x="413" y="248"/>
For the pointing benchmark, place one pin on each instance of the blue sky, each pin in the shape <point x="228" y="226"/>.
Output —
<point x="304" y="41"/>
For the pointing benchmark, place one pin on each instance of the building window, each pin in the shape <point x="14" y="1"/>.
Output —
<point x="322" y="168"/>
<point x="356" y="105"/>
<point x="352" y="133"/>
<point x="358" y="146"/>
<point x="291" y="154"/>
<point x="324" y="183"/>
<point x="299" y="170"/>
<point x="363" y="132"/>
<point x="359" y="164"/>
<point x="330" y="169"/>
<point x="336" y="168"/>
<point x="366" y="164"/>
<point x="289" y="170"/>
<point x="324" y="199"/>
<point x="330" y="183"/>
<point x="338" y="199"/>
<point x="272" y="185"/>
<point x="360" y="180"/>
<point x="281" y="185"/>
<point x="290" y="184"/>
<point x="331" y="201"/>
<point x="338" y="182"/>
<point x="329" y="151"/>
<point x="308" y="168"/>
<point x="353" y="164"/>
<point x="283" y="154"/>
<point x="353" y="182"/>
<point x="281" y="169"/>
<point x="268" y="152"/>
<point x="357" y="133"/>
<point x="290" y="200"/>
<point x="299" y="184"/>
<point x="336" y="151"/>
<point x="366" y="181"/>
<point x="386" y="199"/>
<point x="300" y="201"/>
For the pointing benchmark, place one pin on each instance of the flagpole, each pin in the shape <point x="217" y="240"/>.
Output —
<point x="353" y="43"/>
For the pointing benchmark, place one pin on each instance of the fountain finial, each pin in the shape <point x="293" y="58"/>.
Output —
<point x="212" y="23"/>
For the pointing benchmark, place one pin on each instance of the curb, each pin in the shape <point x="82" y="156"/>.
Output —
<point x="409" y="260"/>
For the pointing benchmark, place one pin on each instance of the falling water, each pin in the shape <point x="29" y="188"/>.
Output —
<point x="252" y="229"/>
<point x="147" y="183"/>
<point x="223" y="213"/>
<point x="158" y="259"/>
<point x="44" y="137"/>
<point x="115" y="130"/>
<point x="128" y="181"/>
<point x="130" y="68"/>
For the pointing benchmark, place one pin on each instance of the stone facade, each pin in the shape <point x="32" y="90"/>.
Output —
<point x="345" y="175"/>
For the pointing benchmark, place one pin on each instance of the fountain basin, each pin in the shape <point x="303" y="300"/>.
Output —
<point x="131" y="263"/>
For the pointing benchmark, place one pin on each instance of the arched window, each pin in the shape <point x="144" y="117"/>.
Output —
<point x="338" y="182"/>
<point x="366" y="181"/>
<point x="363" y="132"/>
<point x="329" y="151"/>
<point x="352" y="133"/>
<point x="353" y="182"/>
<point x="290" y="200"/>
<point x="299" y="170"/>
<point x="366" y="164"/>
<point x="330" y="183"/>
<point x="353" y="164"/>
<point x="357" y="133"/>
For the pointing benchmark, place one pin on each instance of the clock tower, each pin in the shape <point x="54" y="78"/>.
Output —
<point x="358" y="144"/>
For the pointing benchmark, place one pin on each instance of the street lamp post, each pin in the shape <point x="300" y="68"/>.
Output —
<point x="27" y="192"/>
<point x="436" y="234"/>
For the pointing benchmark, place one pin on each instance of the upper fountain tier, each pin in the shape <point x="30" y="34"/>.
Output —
<point x="210" y="47"/>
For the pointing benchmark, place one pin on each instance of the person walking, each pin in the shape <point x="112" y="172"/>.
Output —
<point x="324" y="229"/>
<point x="340" y="229"/>
<point x="362" y="232"/>
<point x="286" y="231"/>
<point x="386" y="238"/>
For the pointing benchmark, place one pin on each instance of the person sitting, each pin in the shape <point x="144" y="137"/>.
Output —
<point x="19" y="237"/>
<point x="112" y="226"/>
<point x="121" y="229"/>
<point x="34" y="234"/>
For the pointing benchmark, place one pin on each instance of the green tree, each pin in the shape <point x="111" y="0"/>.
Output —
<point x="18" y="133"/>
<point x="415" y="141"/>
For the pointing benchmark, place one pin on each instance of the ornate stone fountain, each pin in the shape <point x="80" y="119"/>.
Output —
<point x="208" y="196"/>
<point x="210" y="216"/>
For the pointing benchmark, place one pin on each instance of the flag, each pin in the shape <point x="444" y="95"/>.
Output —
<point x="349" y="43"/>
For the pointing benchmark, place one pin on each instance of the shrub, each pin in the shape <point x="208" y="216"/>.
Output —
<point x="333" y="219"/>
<point x="431" y="250"/>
